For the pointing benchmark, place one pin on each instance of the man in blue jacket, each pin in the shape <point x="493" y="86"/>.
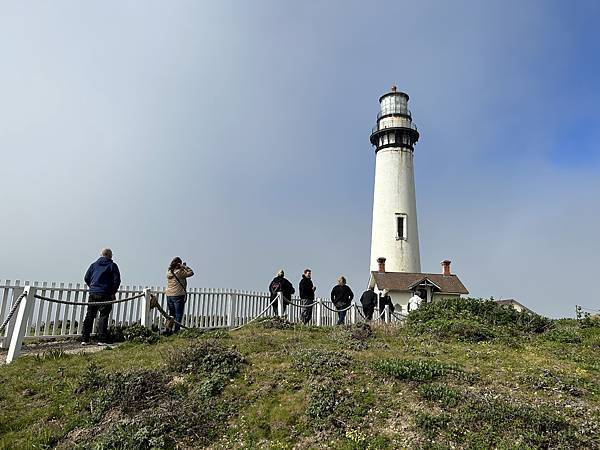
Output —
<point x="103" y="279"/>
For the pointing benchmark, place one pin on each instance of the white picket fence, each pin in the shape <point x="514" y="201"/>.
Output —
<point x="205" y="308"/>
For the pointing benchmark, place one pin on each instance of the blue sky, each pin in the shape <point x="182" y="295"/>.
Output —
<point x="236" y="134"/>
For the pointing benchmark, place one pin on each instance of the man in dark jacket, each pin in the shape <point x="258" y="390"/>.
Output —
<point x="341" y="296"/>
<point x="306" y="289"/>
<point x="384" y="300"/>
<point x="103" y="279"/>
<point x="280" y="284"/>
<point x="368" y="301"/>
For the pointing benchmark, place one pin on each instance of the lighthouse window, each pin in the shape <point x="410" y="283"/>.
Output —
<point x="400" y="227"/>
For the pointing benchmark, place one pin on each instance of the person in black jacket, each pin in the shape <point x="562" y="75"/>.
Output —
<point x="280" y="284"/>
<point x="103" y="279"/>
<point x="368" y="301"/>
<point x="341" y="296"/>
<point x="306" y="289"/>
<point x="384" y="300"/>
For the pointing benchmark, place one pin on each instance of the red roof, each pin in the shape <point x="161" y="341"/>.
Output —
<point x="405" y="281"/>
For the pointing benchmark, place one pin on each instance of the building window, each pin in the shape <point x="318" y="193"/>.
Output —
<point x="400" y="227"/>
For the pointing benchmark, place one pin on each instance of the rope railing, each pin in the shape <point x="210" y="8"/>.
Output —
<point x="12" y="312"/>
<point x="302" y="306"/>
<point x="249" y="322"/>
<point x="108" y="302"/>
<point x="169" y="319"/>
<point x="336" y="310"/>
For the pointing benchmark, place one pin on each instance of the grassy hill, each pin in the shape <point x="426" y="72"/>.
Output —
<point x="460" y="374"/>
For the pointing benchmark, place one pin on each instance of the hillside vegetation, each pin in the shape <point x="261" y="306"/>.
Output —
<point x="460" y="374"/>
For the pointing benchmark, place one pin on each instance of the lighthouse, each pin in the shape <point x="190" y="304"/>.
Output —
<point x="395" y="235"/>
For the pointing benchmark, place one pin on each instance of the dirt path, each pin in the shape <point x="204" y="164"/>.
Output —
<point x="65" y="346"/>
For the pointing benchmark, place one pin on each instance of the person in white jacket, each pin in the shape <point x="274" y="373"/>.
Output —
<point x="414" y="302"/>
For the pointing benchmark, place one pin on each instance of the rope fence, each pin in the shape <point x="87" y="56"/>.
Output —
<point x="108" y="302"/>
<point x="12" y="312"/>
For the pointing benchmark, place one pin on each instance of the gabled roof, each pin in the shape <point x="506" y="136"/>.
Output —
<point x="405" y="281"/>
<point x="512" y="302"/>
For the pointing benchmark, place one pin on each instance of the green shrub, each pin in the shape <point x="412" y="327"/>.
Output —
<point x="317" y="361"/>
<point x="352" y="337"/>
<point x="460" y="329"/>
<point x="485" y="312"/>
<point x="139" y="333"/>
<point x="564" y="336"/>
<point x="440" y="393"/>
<point x="206" y="357"/>
<point x="413" y="369"/>
<point x="484" y="422"/>
<point x="274" y="323"/>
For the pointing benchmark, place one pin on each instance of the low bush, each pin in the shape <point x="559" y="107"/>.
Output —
<point x="274" y="323"/>
<point x="486" y="312"/>
<point x="316" y="362"/>
<point x="440" y="393"/>
<point x="483" y="422"/>
<point x="140" y="334"/>
<point x="413" y="369"/>
<point x="564" y="336"/>
<point x="206" y="357"/>
<point x="461" y="329"/>
<point x="352" y="337"/>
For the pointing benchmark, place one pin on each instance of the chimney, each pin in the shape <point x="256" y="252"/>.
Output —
<point x="446" y="267"/>
<point x="381" y="262"/>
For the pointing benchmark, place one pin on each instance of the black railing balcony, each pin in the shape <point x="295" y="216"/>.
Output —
<point x="377" y="128"/>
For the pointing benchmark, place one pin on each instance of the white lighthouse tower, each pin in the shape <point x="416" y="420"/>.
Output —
<point x="395" y="236"/>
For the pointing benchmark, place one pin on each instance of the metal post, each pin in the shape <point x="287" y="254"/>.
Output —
<point x="353" y="313"/>
<point x="280" y="304"/>
<point x="145" y="316"/>
<point x="319" y="311"/>
<point x="20" y="325"/>
<point x="387" y="314"/>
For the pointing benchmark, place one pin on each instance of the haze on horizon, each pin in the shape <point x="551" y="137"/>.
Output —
<point x="236" y="135"/>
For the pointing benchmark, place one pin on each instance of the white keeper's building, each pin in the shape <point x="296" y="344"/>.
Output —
<point x="395" y="259"/>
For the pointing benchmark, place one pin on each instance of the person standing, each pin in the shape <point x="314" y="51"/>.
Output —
<point x="384" y="300"/>
<point x="368" y="301"/>
<point x="103" y="279"/>
<point x="176" y="291"/>
<point x="280" y="284"/>
<point x="306" y="289"/>
<point x="414" y="302"/>
<point x="341" y="296"/>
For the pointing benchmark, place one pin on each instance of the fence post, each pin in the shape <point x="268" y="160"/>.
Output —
<point x="20" y="324"/>
<point x="145" y="315"/>
<point x="5" y="340"/>
<point x="319" y="311"/>
<point x="280" y="304"/>
<point x="231" y="298"/>
<point x="387" y="314"/>
<point x="353" y="313"/>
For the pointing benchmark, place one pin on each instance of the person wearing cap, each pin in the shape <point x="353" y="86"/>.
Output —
<point x="103" y="279"/>
<point x="341" y="296"/>
<point x="306" y="289"/>
<point x="280" y="284"/>
<point x="385" y="299"/>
